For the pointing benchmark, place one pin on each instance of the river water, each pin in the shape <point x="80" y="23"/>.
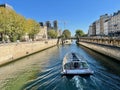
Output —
<point x="41" y="71"/>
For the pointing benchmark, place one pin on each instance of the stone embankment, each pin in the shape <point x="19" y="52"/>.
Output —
<point x="12" y="51"/>
<point x="108" y="47"/>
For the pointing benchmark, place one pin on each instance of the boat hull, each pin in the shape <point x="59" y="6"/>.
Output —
<point x="74" y="64"/>
<point x="77" y="72"/>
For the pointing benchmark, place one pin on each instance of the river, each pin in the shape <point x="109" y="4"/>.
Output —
<point x="42" y="71"/>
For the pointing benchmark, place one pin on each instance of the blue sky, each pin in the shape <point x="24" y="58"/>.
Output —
<point x="77" y="14"/>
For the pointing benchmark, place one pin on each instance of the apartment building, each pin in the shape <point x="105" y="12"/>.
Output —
<point x="103" y="18"/>
<point x="98" y="27"/>
<point x="90" y="31"/>
<point x="115" y="24"/>
<point x="106" y="25"/>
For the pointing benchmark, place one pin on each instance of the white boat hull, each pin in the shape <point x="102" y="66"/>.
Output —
<point x="74" y="64"/>
<point x="77" y="72"/>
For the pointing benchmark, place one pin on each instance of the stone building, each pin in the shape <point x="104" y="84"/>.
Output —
<point x="106" y="27"/>
<point x="101" y="26"/>
<point x="41" y="24"/>
<point x="92" y="29"/>
<point x="103" y="18"/>
<point x="115" y="24"/>
<point x="59" y="32"/>
<point x="48" y="24"/>
<point x="42" y="35"/>
<point x="98" y="27"/>
<point x="55" y="25"/>
<point x="6" y="6"/>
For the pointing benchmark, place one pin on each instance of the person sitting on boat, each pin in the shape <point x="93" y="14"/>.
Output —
<point x="76" y="65"/>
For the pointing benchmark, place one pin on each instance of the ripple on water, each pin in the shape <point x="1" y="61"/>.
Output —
<point x="48" y="77"/>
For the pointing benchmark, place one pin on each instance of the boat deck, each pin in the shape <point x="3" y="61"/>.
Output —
<point x="75" y="64"/>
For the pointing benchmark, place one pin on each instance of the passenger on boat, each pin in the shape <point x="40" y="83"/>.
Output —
<point x="76" y="65"/>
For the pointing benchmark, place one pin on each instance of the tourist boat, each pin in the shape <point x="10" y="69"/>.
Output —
<point x="74" y="64"/>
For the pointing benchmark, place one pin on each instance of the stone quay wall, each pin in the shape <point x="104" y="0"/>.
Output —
<point x="11" y="51"/>
<point x="108" y="50"/>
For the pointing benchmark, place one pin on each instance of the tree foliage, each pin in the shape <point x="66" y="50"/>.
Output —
<point x="66" y="34"/>
<point x="52" y="33"/>
<point x="32" y="28"/>
<point x="15" y="26"/>
<point x="79" y="33"/>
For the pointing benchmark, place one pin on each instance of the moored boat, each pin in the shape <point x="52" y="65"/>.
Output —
<point x="74" y="64"/>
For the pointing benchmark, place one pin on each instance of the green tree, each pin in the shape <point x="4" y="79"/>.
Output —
<point x="52" y="33"/>
<point x="16" y="30"/>
<point x="2" y="21"/>
<point x="66" y="34"/>
<point x="79" y="33"/>
<point x="15" y="26"/>
<point x="11" y="24"/>
<point x="32" y="28"/>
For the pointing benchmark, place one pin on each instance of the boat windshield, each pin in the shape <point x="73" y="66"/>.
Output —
<point x="67" y="66"/>
<point x="84" y="65"/>
<point x="72" y="65"/>
<point x="76" y="65"/>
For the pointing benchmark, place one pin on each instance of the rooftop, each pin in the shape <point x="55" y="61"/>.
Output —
<point x="6" y="6"/>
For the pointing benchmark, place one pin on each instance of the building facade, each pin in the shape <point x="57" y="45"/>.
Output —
<point x="42" y="35"/>
<point x="55" y="25"/>
<point x="92" y="29"/>
<point x="115" y="24"/>
<point x="98" y="27"/>
<point x="106" y="25"/>
<point x="59" y="32"/>
<point x="6" y="6"/>
<point x="48" y="24"/>
<point x="103" y="18"/>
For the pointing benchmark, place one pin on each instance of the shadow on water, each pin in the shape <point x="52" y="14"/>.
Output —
<point x="111" y="64"/>
<point x="47" y="66"/>
<point x="106" y="76"/>
<point x="107" y="70"/>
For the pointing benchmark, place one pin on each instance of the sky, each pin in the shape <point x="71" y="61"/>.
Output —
<point x="71" y="14"/>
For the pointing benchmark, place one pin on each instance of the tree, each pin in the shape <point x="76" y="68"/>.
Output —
<point x="2" y="22"/>
<point x="16" y="30"/>
<point x="79" y="33"/>
<point x="11" y="24"/>
<point x="66" y="34"/>
<point x="14" y="26"/>
<point x="32" y="28"/>
<point x="52" y="33"/>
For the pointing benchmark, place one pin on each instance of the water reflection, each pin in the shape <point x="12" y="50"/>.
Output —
<point x="42" y="71"/>
<point x="20" y="72"/>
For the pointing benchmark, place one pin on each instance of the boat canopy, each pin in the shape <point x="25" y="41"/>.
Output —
<point x="76" y="65"/>
<point x="72" y="57"/>
<point x="73" y="63"/>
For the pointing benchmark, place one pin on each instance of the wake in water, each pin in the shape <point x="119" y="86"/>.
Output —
<point x="84" y="83"/>
<point x="50" y="76"/>
<point x="78" y="82"/>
